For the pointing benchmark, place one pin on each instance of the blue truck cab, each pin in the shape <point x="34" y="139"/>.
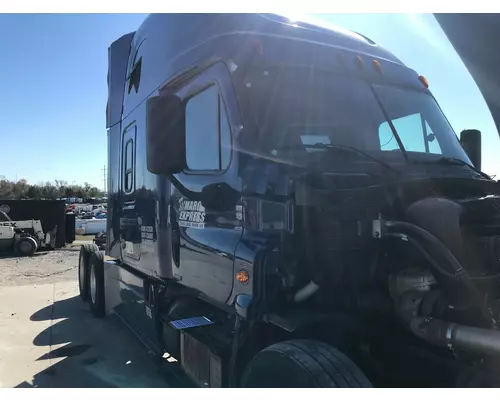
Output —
<point x="287" y="206"/>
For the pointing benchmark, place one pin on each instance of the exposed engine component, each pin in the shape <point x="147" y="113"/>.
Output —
<point x="436" y="232"/>
<point x="436" y="229"/>
<point x="456" y="336"/>
<point x="419" y="280"/>
<point x="332" y="241"/>
<point x="408" y="288"/>
<point x="305" y="292"/>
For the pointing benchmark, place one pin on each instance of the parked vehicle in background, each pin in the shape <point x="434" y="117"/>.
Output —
<point x="24" y="238"/>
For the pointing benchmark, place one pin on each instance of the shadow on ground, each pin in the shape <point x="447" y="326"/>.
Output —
<point x="87" y="352"/>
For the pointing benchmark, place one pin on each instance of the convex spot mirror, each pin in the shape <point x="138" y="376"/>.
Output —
<point x="165" y="135"/>
<point x="470" y="139"/>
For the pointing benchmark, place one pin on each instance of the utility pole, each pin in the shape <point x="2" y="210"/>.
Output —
<point x="104" y="178"/>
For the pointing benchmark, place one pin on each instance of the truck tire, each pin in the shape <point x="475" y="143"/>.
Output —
<point x="26" y="246"/>
<point x="96" y="284"/>
<point x="83" y="269"/>
<point x="302" y="364"/>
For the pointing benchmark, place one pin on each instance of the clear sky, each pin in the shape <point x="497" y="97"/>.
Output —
<point x="53" y="93"/>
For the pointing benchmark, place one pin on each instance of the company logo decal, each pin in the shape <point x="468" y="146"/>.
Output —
<point x="191" y="214"/>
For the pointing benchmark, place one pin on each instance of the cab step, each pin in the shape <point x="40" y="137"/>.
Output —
<point x="193" y="322"/>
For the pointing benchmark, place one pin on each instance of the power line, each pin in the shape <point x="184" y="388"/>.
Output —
<point x="104" y="178"/>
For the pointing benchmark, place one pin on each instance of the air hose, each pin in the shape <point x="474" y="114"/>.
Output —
<point x="398" y="228"/>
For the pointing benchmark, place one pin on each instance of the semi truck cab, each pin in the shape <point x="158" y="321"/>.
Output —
<point x="274" y="188"/>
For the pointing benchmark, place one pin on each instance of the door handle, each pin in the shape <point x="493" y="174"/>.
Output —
<point x="176" y="247"/>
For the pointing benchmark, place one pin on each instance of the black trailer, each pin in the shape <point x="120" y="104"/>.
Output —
<point x="289" y="207"/>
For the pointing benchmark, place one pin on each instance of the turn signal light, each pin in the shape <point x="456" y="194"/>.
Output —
<point x="243" y="276"/>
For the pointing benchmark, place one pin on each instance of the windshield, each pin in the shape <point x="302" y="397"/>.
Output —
<point x="419" y="123"/>
<point x="294" y="108"/>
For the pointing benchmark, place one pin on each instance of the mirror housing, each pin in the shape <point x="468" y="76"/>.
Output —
<point x="165" y="135"/>
<point x="470" y="139"/>
<point x="219" y="197"/>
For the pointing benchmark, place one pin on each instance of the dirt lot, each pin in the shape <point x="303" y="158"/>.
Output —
<point x="43" y="267"/>
<point x="48" y="337"/>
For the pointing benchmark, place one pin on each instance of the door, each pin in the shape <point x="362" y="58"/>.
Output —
<point x="205" y="240"/>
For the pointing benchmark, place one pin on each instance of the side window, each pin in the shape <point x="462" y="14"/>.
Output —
<point x="208" y="136"/>
<point x="134" y="69"/>
<point x="128" y="166"/>
<point x="415" y="136"/>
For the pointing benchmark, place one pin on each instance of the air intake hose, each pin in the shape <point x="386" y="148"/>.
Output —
<point x="414" y="230"/>
<point x="456" y="336"/>
<point x="435" y="224"/>
<point x="453" y="265"/>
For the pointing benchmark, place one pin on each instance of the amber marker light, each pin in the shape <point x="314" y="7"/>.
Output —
<point x="243" y="276"/>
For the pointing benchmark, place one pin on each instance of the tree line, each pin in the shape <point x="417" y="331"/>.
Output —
<point x="22" y="190"/>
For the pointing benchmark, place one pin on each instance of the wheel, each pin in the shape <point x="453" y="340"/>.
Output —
<point x="302" y="364"/>
<point x="83" y="269"/>
<point x="96" y="284"/>
<point x="26" y="246"/>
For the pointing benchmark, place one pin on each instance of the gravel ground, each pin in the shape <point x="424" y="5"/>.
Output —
<point x="44" y="267"/>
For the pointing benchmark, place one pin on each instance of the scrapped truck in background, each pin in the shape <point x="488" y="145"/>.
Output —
<point x="289" y="207"/>
<point x="24" y="237"/>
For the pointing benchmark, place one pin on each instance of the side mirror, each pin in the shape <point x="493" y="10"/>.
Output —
<point x="165" y="135"/>
<point x="470" y="139"/>
<point x="219" y="197"/>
